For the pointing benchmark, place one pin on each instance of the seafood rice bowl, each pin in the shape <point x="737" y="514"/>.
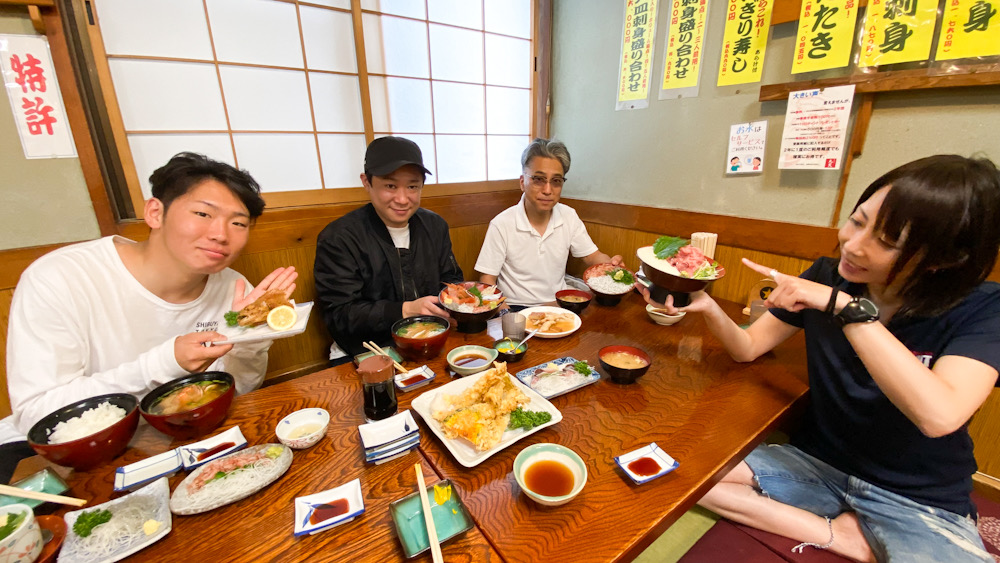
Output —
<point x="471" y="304"/>
<point x="470" y="297"/>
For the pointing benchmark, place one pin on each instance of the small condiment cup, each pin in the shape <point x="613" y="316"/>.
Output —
<point x="554" y="452"/>
<point x="290" y="425"/>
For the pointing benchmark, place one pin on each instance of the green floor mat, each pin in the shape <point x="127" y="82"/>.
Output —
<point x="678" y="539"/>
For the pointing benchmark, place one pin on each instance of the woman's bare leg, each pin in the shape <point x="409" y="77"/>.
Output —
<point x="736" y="498"/>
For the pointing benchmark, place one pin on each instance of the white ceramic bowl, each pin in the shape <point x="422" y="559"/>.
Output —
<point x="290" y="425"/>
<point x="488" y="353"/>
<point x="25" y="543"/>
<point x="662" y="318"/>
<point x="541" y="452"/>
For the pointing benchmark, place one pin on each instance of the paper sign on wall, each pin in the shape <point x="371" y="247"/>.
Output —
<point x="815" y="128"/>
<point x="969" y="28"/>
<point x="897" y="31"/>
<point x="746" y="148"/>
<point x="744" y="41"/>
<point x="825" y="36"/>
<point x="685" y="37"/>
<point x="34" y="96"/>
<point x="637" y="54"/>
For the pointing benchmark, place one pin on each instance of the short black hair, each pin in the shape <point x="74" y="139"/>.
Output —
<point x="949" y="207"/>
<point x="187" y="169"/>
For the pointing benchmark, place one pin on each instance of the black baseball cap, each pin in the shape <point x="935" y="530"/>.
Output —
<point x="388" y="154"/>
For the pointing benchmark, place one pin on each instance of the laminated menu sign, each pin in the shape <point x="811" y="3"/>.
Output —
<point x="825" y="35"/>
<point x="897" y="31"/>
<point x="30" y="78"/>
<point x="816" y="128"/>
<point x="744" y="41"/>
<point x="969" y="28"/>
<point x="637" y="51"/>
<point x="682" y="53"/>
<point x="746" y="148"/>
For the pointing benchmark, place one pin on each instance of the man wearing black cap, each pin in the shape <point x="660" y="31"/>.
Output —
<point x="386" y="260"/>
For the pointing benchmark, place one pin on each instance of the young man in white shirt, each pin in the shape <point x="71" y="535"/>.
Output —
<point x="527" y="245"/>
<point x="117" y="316"/>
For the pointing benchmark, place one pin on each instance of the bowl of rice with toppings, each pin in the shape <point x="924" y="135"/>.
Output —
<point x="87" y="433"/>
<point x="471" y="304"/>
<point x="609" y="283"/>
<point x="677" y="268"/>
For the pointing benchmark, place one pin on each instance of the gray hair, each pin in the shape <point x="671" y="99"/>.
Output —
<point x="546" y="148"/>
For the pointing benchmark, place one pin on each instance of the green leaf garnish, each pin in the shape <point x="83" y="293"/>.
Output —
<point x="582" y="367"/>
<point x="667" y="246"/>
<point x="521" y="418"/>
<point x="474" y="291"/>
<point x="232" y="318"/>
<point x="621" y="275"/>
<point x="87" y="521"/>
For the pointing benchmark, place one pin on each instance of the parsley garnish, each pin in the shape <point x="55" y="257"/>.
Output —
<point x="87" y="521"/>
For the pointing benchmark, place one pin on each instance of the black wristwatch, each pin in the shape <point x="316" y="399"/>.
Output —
<point x="859" y="310"/>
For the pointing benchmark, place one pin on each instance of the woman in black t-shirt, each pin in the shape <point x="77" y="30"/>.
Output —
<point x="903" y="345"/>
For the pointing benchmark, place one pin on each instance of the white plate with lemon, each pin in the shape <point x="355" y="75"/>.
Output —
<point x="282" y="322"/>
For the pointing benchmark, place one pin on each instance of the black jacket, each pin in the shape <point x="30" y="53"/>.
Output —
<point x="362" y="281"/>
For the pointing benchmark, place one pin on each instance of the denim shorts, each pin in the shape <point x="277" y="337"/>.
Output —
<point x="897" y="528"/>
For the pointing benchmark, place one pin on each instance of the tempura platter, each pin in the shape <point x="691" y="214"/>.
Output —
<point x="465" y="453"/>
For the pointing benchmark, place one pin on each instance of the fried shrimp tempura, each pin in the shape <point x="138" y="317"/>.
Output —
<point x="481" y="413"/>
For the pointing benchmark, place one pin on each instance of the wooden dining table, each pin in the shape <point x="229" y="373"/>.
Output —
<point x="701" y="407"/>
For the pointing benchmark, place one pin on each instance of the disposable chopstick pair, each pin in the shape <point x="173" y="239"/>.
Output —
<point x="375" y="349"/>
<point x="432" y="536"/>
<point x="45" y="497"/>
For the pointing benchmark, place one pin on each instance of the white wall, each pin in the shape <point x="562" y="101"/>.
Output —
<point x="42" y="201"/>
<point x="672" y="154"/>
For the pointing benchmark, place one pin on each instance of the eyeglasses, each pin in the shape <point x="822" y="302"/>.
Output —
<point x="540" y="181"/>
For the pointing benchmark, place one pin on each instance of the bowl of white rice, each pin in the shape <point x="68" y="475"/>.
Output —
<point x="87" y="433"/>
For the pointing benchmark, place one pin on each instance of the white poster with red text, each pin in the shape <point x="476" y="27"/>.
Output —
<point x="34" y="96"/>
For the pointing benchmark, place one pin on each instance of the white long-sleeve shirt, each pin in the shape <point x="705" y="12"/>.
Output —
<point x="81" y="325"/>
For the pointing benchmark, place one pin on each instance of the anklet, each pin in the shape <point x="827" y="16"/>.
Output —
<point x="801" y="547"/>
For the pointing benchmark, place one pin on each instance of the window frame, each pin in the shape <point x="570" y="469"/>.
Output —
<point x="115" y="156"/>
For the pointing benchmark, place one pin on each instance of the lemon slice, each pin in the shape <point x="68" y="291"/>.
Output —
<point x="282" y="317"/>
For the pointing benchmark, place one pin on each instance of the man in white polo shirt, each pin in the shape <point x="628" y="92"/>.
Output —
<point x="527" y="245"/>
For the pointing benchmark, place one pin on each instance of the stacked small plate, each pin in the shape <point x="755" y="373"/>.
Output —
<point x="389" y="439"/>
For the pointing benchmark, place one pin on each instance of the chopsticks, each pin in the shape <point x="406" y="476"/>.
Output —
<point x="375" y="349"/>
<point x="46" y="497"/>
<point x="432" y="536"/>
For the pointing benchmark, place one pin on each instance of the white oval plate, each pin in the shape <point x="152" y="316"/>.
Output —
<point x="577" y="322"/>
<point x="224" y="490"/>
<point x="464" y="452"/>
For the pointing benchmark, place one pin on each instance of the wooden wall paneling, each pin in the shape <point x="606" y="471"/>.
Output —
<point x="465" y="244"/>
<point x="786" y="239"/>
<point x="5" y="297"/>
<point x="983" y="429"/>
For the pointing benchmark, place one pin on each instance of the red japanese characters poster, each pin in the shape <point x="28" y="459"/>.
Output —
<point x="34" y="97"/>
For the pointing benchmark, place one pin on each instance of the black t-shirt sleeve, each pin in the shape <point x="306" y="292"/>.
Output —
<point x="978" y="331"/>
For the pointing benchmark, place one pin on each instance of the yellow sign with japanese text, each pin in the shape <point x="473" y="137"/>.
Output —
<point x="637" y="52"/>
<point x="969" y="28"/>
<point x="826" y="35"/>
<point x="744" y="41"/>
<point x="685" y="37"/>
<point x="898" y="31"/>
